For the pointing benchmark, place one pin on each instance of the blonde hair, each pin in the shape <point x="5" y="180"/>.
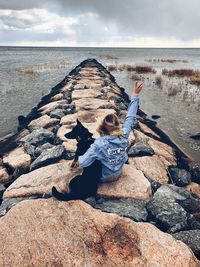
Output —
<point x="110" y="126"/>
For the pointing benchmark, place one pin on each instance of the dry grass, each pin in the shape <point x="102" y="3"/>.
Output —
<point x="195" y="79"/>
<point x="28" y="70"/>
<point x="173" y="89"/>
<point x="192" y="75"/>
<point x="180" y="72"/>
<point x="145" y="69"/>
<point x="159" y="81"/>
<point x="167" y="60"/>
<point x="111" y="67"/>
<point x="136" y="77"/>
<point x="108" y="57"/>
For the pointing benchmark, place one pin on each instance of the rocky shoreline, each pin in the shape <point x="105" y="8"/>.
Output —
<point x="145" y="213"/>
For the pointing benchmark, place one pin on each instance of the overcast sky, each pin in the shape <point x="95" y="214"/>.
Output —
<point x="121" y="23"/>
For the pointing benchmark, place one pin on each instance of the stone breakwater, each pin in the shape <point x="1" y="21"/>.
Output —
<point x="149" y="217"/>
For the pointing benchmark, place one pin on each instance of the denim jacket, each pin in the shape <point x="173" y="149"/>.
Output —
<point x="112" y="150"/>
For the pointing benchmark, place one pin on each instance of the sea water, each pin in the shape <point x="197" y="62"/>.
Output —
<point x="28" y="73"/>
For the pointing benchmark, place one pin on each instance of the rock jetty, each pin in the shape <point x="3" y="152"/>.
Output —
<point x="149" y="217"/>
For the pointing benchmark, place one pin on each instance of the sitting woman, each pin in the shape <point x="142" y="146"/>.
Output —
<point x="104" y="159"/>
<point x="111" y="147"/>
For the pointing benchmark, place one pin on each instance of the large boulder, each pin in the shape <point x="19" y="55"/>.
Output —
<point x="52" y="106"/>
<point x="89" y="116"/>
<point x="131" y="184"/>
<point x="44" y="121"/>
<point x="17" y="158"/>
<point x="40" y="181"/>
<point x="152" y="167"/>
<point x="54" y="233"/>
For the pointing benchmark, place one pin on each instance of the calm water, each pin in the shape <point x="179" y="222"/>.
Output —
<point x="26" y="74"/>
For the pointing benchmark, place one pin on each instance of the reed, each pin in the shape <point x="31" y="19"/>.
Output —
<point x="167" y="60"/>
<point x="159" y="81"/>
<point x="111" y="67"/>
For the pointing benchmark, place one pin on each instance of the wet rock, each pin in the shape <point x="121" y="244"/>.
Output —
<point x="17" y="158"/>
<point x="44" y="121"/>
<point x="84" y="236"/>
<point x="130" y="208"/>
<point x="180" y="177"/>
<point x="144" y="128"/>
<point x="48" y="156"/>
<point x="40" y="181"/>
<point x="38" y="137"/>
<point x="195" y="136"/>
<point x="140" y="149"/>
<point x="152" y="167"/>
<point x="132" y="184"/>
<point x="57" y="113"/>
<point x="190" y="238"/>
<point x="4" y="176"/>
<point x="155" y="117"/>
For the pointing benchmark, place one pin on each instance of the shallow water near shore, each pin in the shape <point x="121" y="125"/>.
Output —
<point x="26" y="74"/>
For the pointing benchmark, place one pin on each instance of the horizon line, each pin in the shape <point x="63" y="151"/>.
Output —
<point x="123" y="47"/>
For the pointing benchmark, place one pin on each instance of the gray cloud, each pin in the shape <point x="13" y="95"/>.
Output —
<point x="177" y="19"/>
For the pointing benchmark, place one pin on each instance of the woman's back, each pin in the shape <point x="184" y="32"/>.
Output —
<point x="111" y="150"/>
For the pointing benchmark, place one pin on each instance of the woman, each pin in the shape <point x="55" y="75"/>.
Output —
<point x="111" y="147"/>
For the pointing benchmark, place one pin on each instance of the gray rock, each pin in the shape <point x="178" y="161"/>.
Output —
<point x="57" y="113"/>
<point x="69" y="109"/>
<point x="195" y="171"/>
<point x="2" y="189"/>
<point x="8" y="203"/>
<point x="140" y="149"/>
<point x="48" y="156"/>
<point x="190" y="238"/>
<point x="180" y="177"/>
<point x="133" y="209"/>
<point x="167" y="210"/>
<point x="189" y="201"/>
<point x="168" y="215"/>
<point x="38" y="136"/>
<point x="40" y="149"/>
<point x="29" y="148"/>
